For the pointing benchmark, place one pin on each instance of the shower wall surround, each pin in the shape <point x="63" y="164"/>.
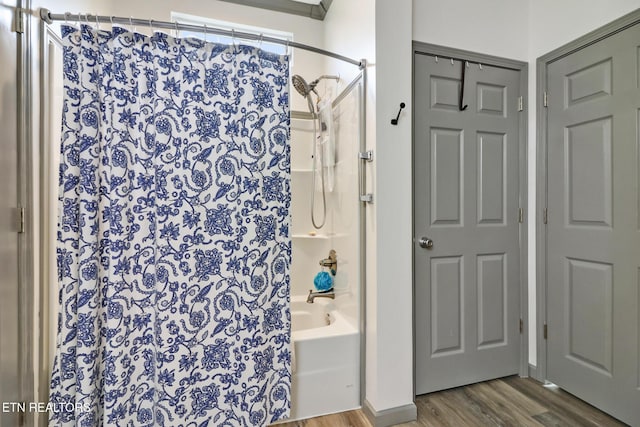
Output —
<point x="341" y="231"/>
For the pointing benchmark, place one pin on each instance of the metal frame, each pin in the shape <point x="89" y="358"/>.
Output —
<point x="363" y="242"/>
<point x="48" y="17"/>
<point x="420" y="48"/>
<point x="614" y="27"/>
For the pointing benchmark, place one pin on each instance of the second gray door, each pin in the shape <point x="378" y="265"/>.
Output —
<point x="593" y="230"/>
<point x="466" y="195"/>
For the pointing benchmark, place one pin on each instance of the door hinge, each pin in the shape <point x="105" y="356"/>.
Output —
<point x="21" y="220"/>
<point x="368" y="198"/>
<point x="366" y="155"/>
<point x="18" y="21"/>
<point x="544" y="331"/>
<point x="521" y="325"/>
<point x="545" y="99"/>
<point x="545" y="216"/>
<point x="520" y="215"/>
<point x="520" y="104"/>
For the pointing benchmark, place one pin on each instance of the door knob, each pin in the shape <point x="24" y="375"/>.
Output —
<point x="425" y="243"/>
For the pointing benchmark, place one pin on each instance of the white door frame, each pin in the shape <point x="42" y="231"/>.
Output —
<point x="620" y="24"/>
<point x="445" y="53"/>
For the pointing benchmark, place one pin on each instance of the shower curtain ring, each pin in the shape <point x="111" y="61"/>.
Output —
<point x="151" y="25"/>
<point x="436" y="59"/>
<point x="177" y="31"/>
<point x="66" y="18"/>
<point x="97" y="22"/>
<point x="205" y="33"/>
<point x="260" y="41"/>
<point x="111" y="18"/>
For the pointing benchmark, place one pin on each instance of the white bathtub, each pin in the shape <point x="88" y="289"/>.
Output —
<point x="326" y="365"/>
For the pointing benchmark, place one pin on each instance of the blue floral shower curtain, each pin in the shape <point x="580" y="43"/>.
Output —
<point x="173" y="240"/>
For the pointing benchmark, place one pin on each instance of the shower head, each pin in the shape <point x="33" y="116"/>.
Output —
<point x="305" y="88"/>
<point x="301" y="85"/>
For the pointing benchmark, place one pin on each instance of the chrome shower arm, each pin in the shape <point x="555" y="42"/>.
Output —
<point x="323" y="77"/>
<point x="327" y="76"/>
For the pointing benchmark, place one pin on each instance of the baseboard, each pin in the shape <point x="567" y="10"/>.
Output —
<point x="533" y="372"/>
<point x="390" y="417"/>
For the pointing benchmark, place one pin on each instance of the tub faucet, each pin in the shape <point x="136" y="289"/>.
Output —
<point x="323" y="294"/>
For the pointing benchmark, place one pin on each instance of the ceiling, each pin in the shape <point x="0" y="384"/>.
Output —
<point x="315" y="9"/>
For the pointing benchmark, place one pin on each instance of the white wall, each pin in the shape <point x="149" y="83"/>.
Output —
<point x="389" y="303"/>
<point x="349" y="29"/>
<point x="495" y="27"/>
<point x="74" y="6"/>
<point x="554" y="23"/>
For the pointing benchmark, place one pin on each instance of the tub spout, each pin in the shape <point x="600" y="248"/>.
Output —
<point x="324" y="294"/>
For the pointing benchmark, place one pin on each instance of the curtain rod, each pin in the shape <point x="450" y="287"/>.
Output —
<point x="48" y="17"/>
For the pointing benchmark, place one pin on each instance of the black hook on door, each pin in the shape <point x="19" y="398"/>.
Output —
<point x="460" y="106"/>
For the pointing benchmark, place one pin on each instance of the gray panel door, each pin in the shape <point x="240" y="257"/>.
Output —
<point x="9" y="303"/>
<point x="593" y="230"/>
<point x="466" y="189"/>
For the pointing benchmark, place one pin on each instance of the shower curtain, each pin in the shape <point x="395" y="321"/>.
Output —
<point x="173" y="239"/>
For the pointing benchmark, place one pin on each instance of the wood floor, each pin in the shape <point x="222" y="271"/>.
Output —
<point x="511" y="401"/>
